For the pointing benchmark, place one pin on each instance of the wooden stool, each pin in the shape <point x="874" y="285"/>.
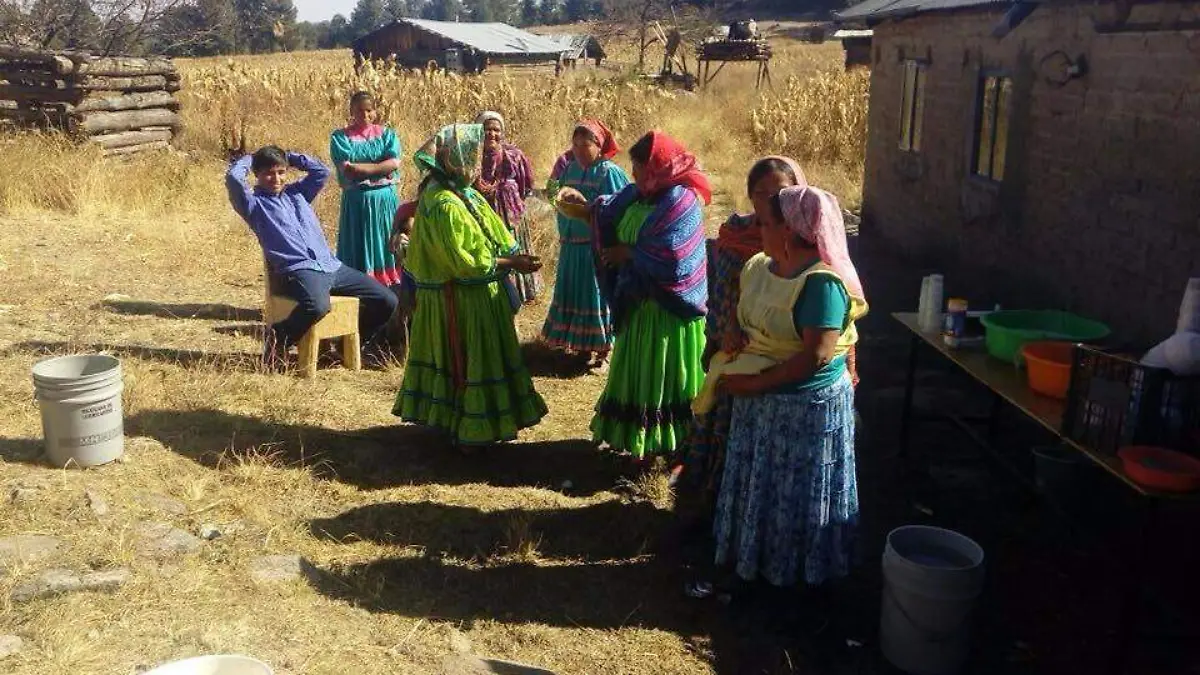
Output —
<point x="340" y="322"/>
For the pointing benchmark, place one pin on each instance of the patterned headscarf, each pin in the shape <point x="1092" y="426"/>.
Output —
<point x="453" y="154"/>
<point x="816" y="216"/>
<point x="671" y="164"/>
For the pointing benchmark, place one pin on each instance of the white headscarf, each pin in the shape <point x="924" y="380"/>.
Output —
<point x="489" y="115"/>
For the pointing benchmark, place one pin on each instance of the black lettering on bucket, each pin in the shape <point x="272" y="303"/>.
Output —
<point x="95" y="411"/>
<point x="92" y="439"/>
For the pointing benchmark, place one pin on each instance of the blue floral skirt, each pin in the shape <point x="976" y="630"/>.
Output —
<point x="788" y="506"/>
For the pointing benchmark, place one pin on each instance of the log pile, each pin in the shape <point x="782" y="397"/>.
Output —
<point x="757" y="49"/>
<point x="123" y="104"/>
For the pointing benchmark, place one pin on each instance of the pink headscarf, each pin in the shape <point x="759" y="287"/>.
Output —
<point x="816" y="216"/>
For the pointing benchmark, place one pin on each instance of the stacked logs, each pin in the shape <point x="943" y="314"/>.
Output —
<point x="757" y="49"/>
<point x="123" y="104"/>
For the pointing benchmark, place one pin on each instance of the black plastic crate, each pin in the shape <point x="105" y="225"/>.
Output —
<point x="1114" y="402"/>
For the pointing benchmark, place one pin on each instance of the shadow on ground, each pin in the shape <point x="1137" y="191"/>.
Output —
<point x="21" y="450"/>
<point x="164" y="310"/>
<point x="607" y="531"/>
<point x="377" y="457"/>
<point x="244" y="362"/>
<point x="544" y="361"/>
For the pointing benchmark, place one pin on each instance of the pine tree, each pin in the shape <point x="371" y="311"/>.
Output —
<point x="442" y="10"/>
<point x="577" y="10"/>
<point x="262" y="25"/>
<point x="366" y="17"/>
<point x="479" y="10"/>
<point x="339" y="31"/>
<point x="550" y="12"/>
<point x="397" y="9"/>
<point x="531" y="14"/>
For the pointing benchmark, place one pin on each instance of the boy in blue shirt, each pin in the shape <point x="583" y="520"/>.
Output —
<point x="282" y="218"/>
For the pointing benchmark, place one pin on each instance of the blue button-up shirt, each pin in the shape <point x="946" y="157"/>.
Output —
<point x="285" y="224"/>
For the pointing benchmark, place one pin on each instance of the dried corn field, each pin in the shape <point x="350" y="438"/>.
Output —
<point x="413" y="554"/>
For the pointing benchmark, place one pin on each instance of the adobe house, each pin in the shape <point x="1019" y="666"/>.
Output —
<point x="1041" y="154"/>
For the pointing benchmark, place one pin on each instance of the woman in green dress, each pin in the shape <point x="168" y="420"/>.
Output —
<point x="650" y="240"/>
<point x="465" y="373"/>
<point x="367" y="158"/>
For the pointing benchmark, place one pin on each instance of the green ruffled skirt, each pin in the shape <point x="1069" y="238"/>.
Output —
<point x="498" y="398"/>
<point x="654" y="375"/>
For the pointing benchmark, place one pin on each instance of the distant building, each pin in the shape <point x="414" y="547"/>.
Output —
<point x="577" y="47"/>
<point x="461" y="47"/>
<point x="857" y="45"/>
<point x="1043" y="153"/>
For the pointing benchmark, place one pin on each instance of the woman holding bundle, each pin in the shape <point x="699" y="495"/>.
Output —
<point x="465" y="373"/>
<point x="738" y="240"/>
<point x="650" y="239"/>
<point x="367" y="158"/>
<point x="787" y="511"/>
<point x="579" y="320"/>
<point x="505" y="180"/>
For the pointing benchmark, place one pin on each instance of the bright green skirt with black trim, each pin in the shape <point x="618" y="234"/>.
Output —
<point x="498" y="399"/>
<point x="646" y="407"/>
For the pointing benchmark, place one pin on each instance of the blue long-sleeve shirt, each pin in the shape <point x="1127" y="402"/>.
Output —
<point x="286" y="225"/>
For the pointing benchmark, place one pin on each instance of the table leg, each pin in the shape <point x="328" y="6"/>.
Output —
<point x="909" y="384"/>
<point x="994" y="415"/>
<point x="1131" y="586"/>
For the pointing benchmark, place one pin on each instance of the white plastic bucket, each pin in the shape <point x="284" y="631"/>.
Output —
<point x="931" y="581"/>
<point x="80" y="398"/>
<point x="214" y="665"/>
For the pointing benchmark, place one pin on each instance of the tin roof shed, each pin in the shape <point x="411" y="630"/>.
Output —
<point x="489" y="39"/>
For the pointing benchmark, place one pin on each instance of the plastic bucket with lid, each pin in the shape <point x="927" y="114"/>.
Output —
<point x="214" y="665"/>
<point x="931" y="580"/>
<point x="80" y="400"/>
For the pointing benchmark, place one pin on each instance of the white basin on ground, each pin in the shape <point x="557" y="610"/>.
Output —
<point x="214" y="665"/>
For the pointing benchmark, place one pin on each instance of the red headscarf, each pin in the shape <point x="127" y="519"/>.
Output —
<point x="671" y="164"/>
<point x="599" y="133"/>
<point x="603" y="137"/>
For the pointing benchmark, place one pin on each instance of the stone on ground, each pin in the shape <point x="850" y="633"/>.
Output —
<point x="162" y="503"/>
<point x="60" y="581"/>
<point x="96" y="503"/>
<point x="10" y="645"/>
<point x="159" y="540"/>
<point x="27" y="548"/>
<point x="278" y="568"/>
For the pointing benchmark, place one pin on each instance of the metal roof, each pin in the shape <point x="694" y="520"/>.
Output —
<point x="489" y="38"/>
<point x="573" y="45"/>
<point x="885" y="9"/>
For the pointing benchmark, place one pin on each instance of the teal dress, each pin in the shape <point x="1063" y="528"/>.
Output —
<point x="368" y="206"/>
<point x="655" y="372"/>
<point x="579" y="319"/>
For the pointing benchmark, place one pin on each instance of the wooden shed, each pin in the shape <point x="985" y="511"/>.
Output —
<point x="579" y="47"/>
<point x="857" y="45"/>
<point x="459" y="47"/>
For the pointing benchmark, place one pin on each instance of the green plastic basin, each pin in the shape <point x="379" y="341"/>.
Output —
<point x="1008" y="331"/>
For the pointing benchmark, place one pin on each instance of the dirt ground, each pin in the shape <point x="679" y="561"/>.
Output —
<point x="410" y="547"/>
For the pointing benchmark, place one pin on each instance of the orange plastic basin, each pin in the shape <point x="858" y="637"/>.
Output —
<point x="1048" y="365"/>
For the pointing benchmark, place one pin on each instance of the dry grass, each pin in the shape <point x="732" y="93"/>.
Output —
<point x="143" y="258"/>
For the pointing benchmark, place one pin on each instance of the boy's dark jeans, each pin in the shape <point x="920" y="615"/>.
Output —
<point x="311" y="290"/>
